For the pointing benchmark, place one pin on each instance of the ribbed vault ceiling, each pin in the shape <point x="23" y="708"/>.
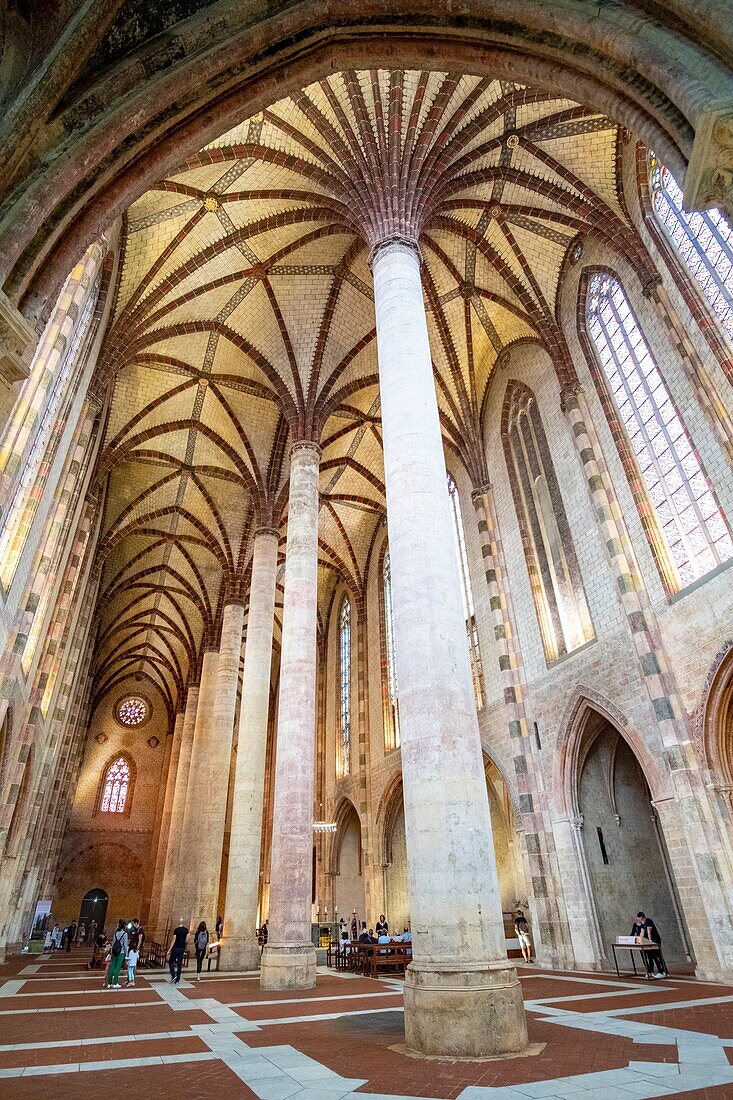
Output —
<point x="244" y="318"/>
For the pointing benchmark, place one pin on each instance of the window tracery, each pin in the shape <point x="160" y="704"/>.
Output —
<point x="557" y="587"/>
<point x="702" y="239"/>
<point x="466" y="591"/>
<point x="116" y="787"/>
<point x="345" y="687"/>
<point x="689" y="518"/>
<point x="132" y="711"/>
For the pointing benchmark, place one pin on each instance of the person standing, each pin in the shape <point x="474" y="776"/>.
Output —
<point x="132" y="956"/>
<point x="382" y="925"/>
<point x="219" y="929"/>
<point x="56" y="934"/>
<point x="521" y="927"/>
<point x="93" y="931"/>
<point x="81" y="935"/>
<point x="200" y="943"/>
<point x="176" y="952"/>
<point x="137" y="937"/>
<point x="646" y="931"/>
<point x="70" y="935"/>
<point x="118" y="951"/>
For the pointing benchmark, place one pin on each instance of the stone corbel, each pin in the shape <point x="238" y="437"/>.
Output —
<point x="709" y="176"/>
<point x="16" y="337"/>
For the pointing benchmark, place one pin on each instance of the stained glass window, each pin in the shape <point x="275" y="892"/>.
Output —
<point x="466" y="593"/>
<point x="132" y="711"/>
<point x="689" y="517"/>
<point x="116" y="786"/>
<point x="389" y="645"/>
<point x="345" y="686"/>
<point x="702" y="239"/>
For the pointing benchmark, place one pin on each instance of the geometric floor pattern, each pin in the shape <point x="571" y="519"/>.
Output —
<point x="627" y="1039"/>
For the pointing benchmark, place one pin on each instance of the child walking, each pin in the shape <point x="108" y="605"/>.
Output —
<point x="132" y="956"/>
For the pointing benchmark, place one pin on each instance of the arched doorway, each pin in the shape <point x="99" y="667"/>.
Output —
<point x="347" y="869"/>
<point x="508" y="861"/>
<point x="94" y="908"/>
<point x="617" y="864"/>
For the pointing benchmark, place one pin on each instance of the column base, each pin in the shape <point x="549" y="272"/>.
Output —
<point x="239" y="955"/>
<point x="470" y="1011"/>
<point x="285" y="966"/>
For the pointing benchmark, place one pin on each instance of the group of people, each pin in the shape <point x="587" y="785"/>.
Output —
<point x="645" y="931"/>
<point x="178" y="946"/>
<point x="122" y="950"/>
<point x="57" y="938"/>
<point x="379" y="934"/>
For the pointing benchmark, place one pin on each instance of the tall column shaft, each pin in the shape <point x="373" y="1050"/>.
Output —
<point x="165" y="821"/>
<point x="240" y="949"/>
<point x="209" y="782"/>
<point x="189" y="858"/>
<point x="462" y="995"/>
<point x="289" y="960"/>
<point x="165" y="915"/>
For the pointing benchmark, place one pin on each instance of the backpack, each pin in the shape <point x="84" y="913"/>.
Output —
<point x="117" y="946"/>
<point x="202" y="939"/>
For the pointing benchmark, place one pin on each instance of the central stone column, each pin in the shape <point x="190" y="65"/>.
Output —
<point x="462" y="995"/>
<point x="240" y="949"/>
<point x="289" y="960"/>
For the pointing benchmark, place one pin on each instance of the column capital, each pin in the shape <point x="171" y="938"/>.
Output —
<point x="396" y="240"/>
<point x="569" y="393"/>
<point x="709" y="176"/>
<point x="17" y="337"/>
<point x="650" y="283"/>
<point x="267" y="532"/>
<point x="480" y="491"/>
<point x="305" y="445"/>
<point x="233" y="601"/>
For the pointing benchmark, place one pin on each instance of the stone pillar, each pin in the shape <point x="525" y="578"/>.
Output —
<point x="188" y="852"/>
<point x="289" y="960"/>
<point x="203" y="838"/>
<point x="164" y="914"/>
<point x="240" y="949"/>
<point x="165" y="822"/>
<point x="462" y="995"/>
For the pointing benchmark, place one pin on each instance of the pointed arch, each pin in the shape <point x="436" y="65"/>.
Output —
<point x="563" y="615"/>
<point x="586" y="713"/>
<point x="714" y="719"/>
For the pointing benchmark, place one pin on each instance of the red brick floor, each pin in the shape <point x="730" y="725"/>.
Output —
<point x="62" y="1003"/>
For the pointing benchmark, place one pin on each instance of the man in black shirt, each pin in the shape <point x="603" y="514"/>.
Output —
<point x="645" y="930"/>
<point x="176" y="952"/>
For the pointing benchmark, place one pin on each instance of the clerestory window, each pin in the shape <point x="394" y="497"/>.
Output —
<point x="689" y="517"/>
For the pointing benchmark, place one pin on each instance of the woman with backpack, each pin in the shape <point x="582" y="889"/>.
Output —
<point x="118" y="951"/>
<point x="200" y="942"/>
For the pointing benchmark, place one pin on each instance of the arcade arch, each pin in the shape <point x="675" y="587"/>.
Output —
<point x="609" y="783"/>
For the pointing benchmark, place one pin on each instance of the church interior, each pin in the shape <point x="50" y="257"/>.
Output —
<point x="366" y="535"/>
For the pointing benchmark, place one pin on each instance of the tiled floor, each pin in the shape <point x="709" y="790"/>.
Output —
<point x="223" y="1037"/>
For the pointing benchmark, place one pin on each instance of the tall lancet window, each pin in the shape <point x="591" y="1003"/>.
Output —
<point x="345" y="688"/>
<point x="692" y="525"/>
<point x="116" y="787"/>
<point x="389" y="677"/>
<point x="557" y="586"/>
<point x="703" y="240"/>
<point x="466" y="592"/>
